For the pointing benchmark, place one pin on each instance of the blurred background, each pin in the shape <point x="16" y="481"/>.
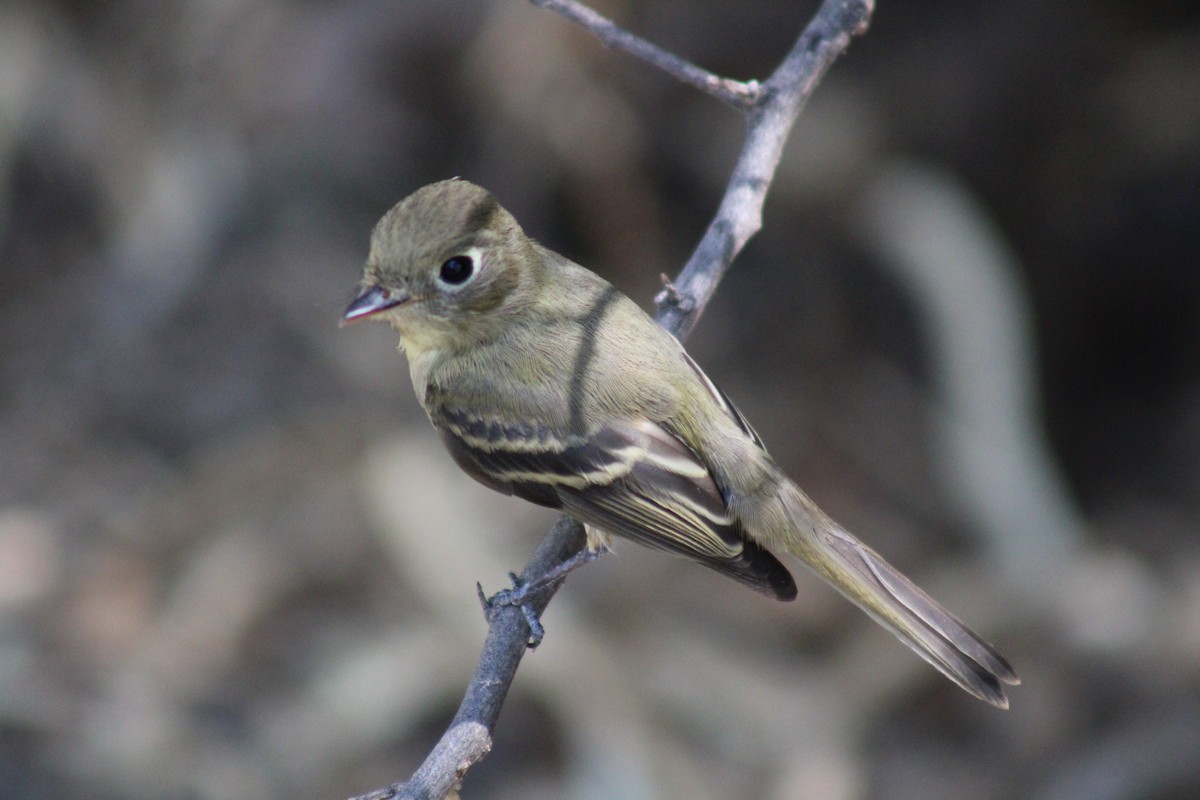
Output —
<point x="235" y="562"/>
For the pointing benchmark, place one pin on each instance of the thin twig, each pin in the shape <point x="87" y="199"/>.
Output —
<point x="771" y="112"/>
<point x="739" y="94"/>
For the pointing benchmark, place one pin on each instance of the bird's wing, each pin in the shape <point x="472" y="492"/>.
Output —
<point x="631" y="478"/>
<point x="724" y="402"/>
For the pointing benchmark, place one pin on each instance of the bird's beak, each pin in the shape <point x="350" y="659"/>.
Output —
<point x="370" y="301"/>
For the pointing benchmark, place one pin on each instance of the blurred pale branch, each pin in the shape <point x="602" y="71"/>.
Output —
<point x="771" y="109"/>
<point x="933" y="233"/>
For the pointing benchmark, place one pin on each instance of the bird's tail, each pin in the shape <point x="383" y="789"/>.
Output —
<point x="895" y="602"/>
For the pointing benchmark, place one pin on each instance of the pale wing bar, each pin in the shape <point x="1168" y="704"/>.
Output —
<point x="632" y="479"/>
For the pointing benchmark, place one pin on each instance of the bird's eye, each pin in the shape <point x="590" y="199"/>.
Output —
<point x="457" y="270"/>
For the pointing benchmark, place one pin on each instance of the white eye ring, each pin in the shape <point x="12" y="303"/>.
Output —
<point x="461" y="269"/>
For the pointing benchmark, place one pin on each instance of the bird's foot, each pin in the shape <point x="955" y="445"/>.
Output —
<point x="523" y="592"/>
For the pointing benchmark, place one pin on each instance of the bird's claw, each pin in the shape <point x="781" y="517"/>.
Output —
<point x="520" y="595"/>
<point x="523" y="592"/>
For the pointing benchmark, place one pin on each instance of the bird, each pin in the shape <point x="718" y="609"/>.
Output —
<point x="547" y="383"/>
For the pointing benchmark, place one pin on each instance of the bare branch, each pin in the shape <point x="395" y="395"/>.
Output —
<point x="468" y="739"/>
<point x="771" y="109"/>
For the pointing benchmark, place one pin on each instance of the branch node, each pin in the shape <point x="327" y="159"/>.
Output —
<point x="671" y="296"/>
<point x="751" y="89"/>
<point x="856" y="16"/>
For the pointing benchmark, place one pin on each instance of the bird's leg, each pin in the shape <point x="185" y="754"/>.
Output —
<point x="522" y="592"/>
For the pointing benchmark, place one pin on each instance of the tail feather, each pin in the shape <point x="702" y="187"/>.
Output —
<point x="899" y="605"/>
<point x="918" y="620"/>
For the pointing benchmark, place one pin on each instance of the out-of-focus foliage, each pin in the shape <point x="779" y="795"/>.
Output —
<point x="234" y="561"/>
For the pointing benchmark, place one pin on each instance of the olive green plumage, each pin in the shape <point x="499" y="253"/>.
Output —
<point x="547" y="383"/>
